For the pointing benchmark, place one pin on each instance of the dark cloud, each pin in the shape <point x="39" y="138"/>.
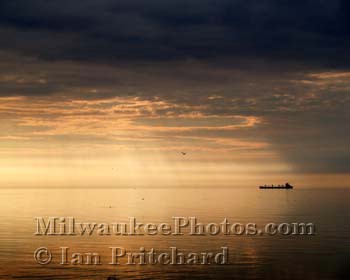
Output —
<point x="108" y="30"/>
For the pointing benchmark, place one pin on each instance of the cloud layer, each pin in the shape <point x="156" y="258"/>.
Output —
<point x="228" y="80"/>
<point x="110" y="30"/>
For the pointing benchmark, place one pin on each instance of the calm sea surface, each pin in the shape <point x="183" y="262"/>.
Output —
<point x="325" y="255"/>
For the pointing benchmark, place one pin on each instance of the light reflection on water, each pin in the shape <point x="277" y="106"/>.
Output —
<point x="324" y="256"/>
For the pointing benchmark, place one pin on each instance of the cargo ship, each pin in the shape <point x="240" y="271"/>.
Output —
<point x="285" y="186"/>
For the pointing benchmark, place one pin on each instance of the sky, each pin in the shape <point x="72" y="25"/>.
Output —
<point x="109" y="93"/>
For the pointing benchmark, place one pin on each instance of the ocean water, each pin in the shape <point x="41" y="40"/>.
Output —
<point x="324" y="255"/>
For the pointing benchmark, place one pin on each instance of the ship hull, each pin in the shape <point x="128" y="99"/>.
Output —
<point x="286" y="188"/>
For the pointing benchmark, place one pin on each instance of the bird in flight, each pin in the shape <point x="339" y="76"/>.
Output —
<point x="183" y="153"/>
